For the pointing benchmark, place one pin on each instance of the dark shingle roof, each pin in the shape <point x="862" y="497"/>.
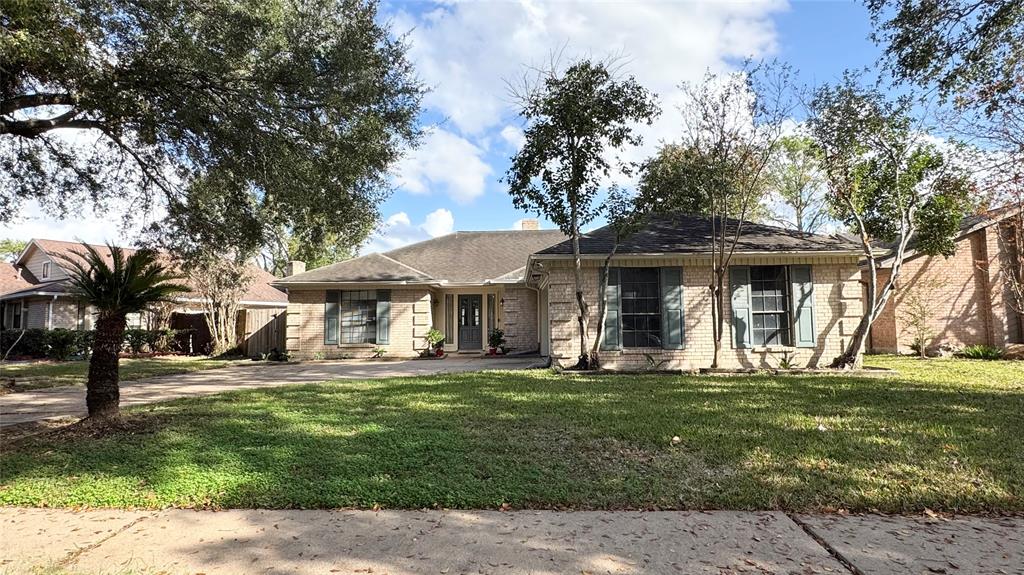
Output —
<point x="679" y="233"/>
<point x="461" y="257"/>
<point x="14" y="278"/>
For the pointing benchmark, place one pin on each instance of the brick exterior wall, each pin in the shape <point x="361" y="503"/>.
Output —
<point x="518" y="319"/>
<point x="968" y="296"/>
<point x="411" y="319"/>
<point x="837" y="305"/>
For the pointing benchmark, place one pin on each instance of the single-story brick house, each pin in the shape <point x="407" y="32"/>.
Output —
<point x="34" y="291"/>
<point x="792" y="293"/>
<point x="969" y="291"/>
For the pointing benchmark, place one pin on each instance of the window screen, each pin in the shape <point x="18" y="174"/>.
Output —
<point x="641" y="307"/>
<point x="359" y="316"/>
<point x="769" y="300"/>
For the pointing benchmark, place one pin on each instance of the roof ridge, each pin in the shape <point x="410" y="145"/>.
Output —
<point x="423" y="273"/>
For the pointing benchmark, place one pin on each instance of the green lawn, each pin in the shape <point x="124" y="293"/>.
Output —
<point x="943" y="435"/>
<point x="59" y="373"/>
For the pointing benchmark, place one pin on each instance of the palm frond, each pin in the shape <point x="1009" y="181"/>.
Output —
<point x="128" y="284"/>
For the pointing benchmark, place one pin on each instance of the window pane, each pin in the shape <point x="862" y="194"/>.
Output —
<point x="640" y="313"/>
<point x="359" y="316"/>
<point x="769" y="305"/>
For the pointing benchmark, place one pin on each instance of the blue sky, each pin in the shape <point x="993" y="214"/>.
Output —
<point x="465" y="51"/>
<point x="820" y="39"/>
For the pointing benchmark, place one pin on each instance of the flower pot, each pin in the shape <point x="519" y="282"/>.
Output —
<point x="492" y="351"/>
<point x="440" y="352"/>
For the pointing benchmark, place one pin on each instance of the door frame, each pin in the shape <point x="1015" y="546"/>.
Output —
<point x="458" y="307"/>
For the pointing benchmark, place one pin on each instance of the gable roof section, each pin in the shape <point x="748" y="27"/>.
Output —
<point x="458" y="258"/>
<point x="368" y="268"/>
<point x="687" y="234"/>
<point x="15" y="278"/>
<point x="260" y="290"/>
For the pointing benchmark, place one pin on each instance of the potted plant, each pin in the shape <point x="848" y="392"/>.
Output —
<point x="495" y="339"/>
<point x="435" y="343"/>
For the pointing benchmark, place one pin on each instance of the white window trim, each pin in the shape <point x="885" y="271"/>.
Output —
<point x="46" y="270"/>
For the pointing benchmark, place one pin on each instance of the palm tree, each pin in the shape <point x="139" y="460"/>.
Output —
<point x="126" y="285"/>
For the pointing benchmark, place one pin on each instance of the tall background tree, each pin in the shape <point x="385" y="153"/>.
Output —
<point x="285" y="247"/>
<point x="127" y="284"/>
<point x="10" y="249"/>
<point x="732" y="127"/>
<point x="971" y="51"/>
<point x="886" y="185"/>
<point x="796" y="189"/>
<point x="575" y="120"/>
<point x="297" y="108"/>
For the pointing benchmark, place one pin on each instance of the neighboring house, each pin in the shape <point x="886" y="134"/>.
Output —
<point x="34" y="290"/>
<point x="969" y="292"/>
<point x="789" y="293"/>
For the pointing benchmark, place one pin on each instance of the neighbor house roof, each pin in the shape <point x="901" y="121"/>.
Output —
<point x="458" y="258"/>
<point x="683" y="234"/>
<point x="15" y="278"/>
<point x="968" y="226"/>
<point x="260" y="291"/>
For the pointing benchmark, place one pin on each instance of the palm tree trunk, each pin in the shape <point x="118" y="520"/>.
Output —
<point x="102" y="396"/>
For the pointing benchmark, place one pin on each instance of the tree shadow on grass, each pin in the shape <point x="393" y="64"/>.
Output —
<point x="537" y="440"/>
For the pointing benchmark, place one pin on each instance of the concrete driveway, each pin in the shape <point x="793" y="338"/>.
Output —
<point x="57" y="402"/>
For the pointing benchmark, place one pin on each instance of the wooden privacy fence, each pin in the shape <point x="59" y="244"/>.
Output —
<point x="261" y="330"/>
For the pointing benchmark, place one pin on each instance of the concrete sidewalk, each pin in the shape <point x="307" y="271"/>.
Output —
<point x="543" y="542"/>
<point x="69" y="401"/>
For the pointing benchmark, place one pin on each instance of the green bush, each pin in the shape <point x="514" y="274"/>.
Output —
<point x="136" y="339"/>
<point x="64" y="343"/>
<point x="60" y="344"/>
<point x="981" y="352"/>
<point x="29" y="343"/>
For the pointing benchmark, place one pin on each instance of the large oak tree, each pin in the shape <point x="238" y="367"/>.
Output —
<point x="296" y="108"/>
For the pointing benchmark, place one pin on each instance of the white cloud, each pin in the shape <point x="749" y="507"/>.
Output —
<point x="398" y="230"/>
<point x="445" y="161"/>
<point x="33" y="222"/>
<point x="467" y="51"/>
<point x="470" y="52"/>
<point x="514" y="136"/>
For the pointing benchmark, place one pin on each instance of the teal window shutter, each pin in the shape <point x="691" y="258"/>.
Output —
<point x="739" y="287"/>
<point x="612" y="319"/>
<point x="802" y="289"/>
<point x="383" y="316"/>
<point x="331" y="317"/>
<point x="672" y="330"/>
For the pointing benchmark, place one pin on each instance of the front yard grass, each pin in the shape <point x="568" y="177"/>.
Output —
<point x="944" y="435"/>
<point x="59" y="373"/>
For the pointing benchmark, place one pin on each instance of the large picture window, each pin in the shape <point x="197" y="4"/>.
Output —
<point x="769" y="300"/>
<point x="359" y="316"/>
<point x="641" y="307"/>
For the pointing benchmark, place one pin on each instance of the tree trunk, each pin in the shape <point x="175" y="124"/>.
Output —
<point x="102" y="396"/>
<point x="581" y="302"/>
<point x="602" y="307"/>
<point x="717" y="316"/>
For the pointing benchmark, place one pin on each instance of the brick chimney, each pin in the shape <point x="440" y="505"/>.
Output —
<point x="294" y="267"/>
<point x="529" y="225"/>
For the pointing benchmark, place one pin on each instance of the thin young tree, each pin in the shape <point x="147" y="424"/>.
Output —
<point x="732" y="127"/>
<point x="576" y="119"/>
<point x="115" y="287"/>
<point x="625" y="217"/>
<point x="886" y="185"/>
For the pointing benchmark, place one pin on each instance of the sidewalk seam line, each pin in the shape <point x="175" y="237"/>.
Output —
<point x="74" y="555"/>
<point x="825" y="545"/>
